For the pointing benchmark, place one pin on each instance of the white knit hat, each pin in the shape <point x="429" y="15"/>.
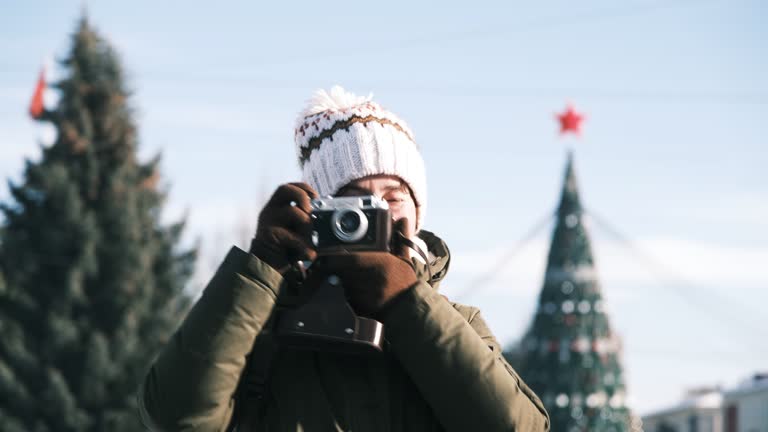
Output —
<point x="341" y="137"/>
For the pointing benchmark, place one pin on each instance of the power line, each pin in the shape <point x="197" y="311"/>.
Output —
<point x="709" y="355"/>
<point x="660" y="271"/>
<point x="696" y="96"/>
<point x="689" y="292"/>
<point x="483" y="280"/>
<point x="570" y="18"/>
<point x="510" y="94"/>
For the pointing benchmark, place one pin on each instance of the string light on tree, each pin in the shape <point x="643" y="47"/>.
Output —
<point x="570" y="355"/>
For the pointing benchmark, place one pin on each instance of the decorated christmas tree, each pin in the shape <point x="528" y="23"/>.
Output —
<point x="91" y="280"/>
<point x="570" y="356"/>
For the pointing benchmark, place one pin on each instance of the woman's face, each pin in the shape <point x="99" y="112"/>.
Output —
<point x="389" y="188"/>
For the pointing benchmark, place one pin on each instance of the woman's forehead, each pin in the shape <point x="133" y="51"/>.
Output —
<point x="377" y="183"/>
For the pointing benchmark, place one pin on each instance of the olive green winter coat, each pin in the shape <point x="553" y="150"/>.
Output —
<point x="442" y="371"/>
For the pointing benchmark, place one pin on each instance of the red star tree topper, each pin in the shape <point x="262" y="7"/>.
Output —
<point x="570" y="121"/>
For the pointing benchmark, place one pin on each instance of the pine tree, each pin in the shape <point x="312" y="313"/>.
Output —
<point x="92" y="281"/>
<point x="570" y="356"/>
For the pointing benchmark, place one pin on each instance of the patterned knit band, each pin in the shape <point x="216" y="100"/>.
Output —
<point x="341" y="137"/>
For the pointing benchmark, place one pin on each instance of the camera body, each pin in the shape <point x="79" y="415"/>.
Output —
<point x="326" y="322"/>
<point x="351" y="224"/>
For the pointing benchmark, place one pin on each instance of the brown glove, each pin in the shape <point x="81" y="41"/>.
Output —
<point x="284" y="234"/>
<point x="373" y="279"/>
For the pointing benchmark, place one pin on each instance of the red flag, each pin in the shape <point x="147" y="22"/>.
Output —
<point x="36" y="106"/>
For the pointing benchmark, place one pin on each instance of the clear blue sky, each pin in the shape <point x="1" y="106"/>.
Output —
<point x="672" y="155"/>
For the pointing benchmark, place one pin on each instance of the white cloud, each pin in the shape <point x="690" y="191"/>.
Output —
<point x="739" y="207"/>
<point x="710" y="264"/>
<point x="673" y="260"/>
<point x="524" y="270"/>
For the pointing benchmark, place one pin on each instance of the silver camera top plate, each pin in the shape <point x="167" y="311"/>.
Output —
<point x="362" y="202"/>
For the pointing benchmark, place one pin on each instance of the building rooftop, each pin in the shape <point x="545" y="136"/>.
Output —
<point x="756" y="383"/>
<point x="713" y="397"/>
<point x="700" y="398"/>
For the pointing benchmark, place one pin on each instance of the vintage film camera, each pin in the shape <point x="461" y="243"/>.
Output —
<point x="351" y="224"/>
<point x="326" y="322"/>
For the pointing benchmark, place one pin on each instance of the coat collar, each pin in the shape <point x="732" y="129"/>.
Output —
<point x="439" y="256"/>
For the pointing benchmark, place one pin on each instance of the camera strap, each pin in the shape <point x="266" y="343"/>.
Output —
<point x="413" y="245"/>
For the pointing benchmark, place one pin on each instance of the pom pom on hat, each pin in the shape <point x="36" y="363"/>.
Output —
<point x="335" y="99"/>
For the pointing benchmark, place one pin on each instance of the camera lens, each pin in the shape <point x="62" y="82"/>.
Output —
<point x="349" y="222"/>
